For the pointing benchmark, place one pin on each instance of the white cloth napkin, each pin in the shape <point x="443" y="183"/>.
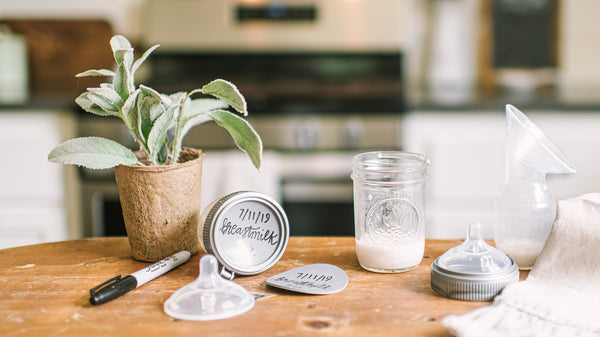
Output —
<point x="561" y="295"/>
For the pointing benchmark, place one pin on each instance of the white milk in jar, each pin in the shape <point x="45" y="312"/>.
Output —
<point x="398" y="257"/>
<point x="389" y="209"/>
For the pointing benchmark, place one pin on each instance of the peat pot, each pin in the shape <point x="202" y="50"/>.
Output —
<point x="161" y="205"/>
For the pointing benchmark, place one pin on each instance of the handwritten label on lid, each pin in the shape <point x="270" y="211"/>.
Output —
<point x="314" y="279"/>
<point x="246" y="231"/>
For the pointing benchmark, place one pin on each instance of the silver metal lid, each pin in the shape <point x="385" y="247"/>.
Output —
<point x="246" y="231"/>
<point x="473" y="270"/>
<point x="471" y="287"/>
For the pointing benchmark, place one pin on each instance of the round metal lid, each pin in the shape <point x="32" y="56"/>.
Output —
<point x="246" y="231"/>
<point x="473" y="270"/>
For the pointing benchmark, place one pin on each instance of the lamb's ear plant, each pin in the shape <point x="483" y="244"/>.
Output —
<point x="158" y="122"/>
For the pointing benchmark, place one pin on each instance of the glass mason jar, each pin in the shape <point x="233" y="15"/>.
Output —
<point x="389" y="209"/>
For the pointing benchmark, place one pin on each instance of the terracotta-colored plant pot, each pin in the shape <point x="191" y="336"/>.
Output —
<point x="161" y="206"/>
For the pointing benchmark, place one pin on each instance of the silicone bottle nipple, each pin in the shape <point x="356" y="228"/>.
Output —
<point x="473" y="270"/>
<point x="474" y="255"/>
<point x="209" y="297"/>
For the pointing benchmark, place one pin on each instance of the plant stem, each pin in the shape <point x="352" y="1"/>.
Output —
<point x="175" y="147"/>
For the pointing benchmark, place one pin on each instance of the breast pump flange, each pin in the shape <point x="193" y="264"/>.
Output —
<point x="524" y="209"/>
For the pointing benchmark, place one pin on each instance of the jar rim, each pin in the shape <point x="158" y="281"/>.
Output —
<point x="390" y="162"/>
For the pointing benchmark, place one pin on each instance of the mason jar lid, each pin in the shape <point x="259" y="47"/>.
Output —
<point x="246" y="231"/>
<point x="473" y="270"/>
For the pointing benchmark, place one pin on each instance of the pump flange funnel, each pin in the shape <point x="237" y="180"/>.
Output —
<point x="524" y="209"/>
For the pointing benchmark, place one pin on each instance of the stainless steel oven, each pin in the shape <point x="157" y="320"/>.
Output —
<point x="323" y="80"/>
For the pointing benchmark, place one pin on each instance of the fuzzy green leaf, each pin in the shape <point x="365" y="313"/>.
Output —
<point x="243" y="134"/>
<point x="123" y="53"/>
<point x="203" y="105"/>
<point x="173" y="100"/>
<point x="93" y="153"/>
<point x="184" y="125"/>
<point x="147" y="91"/>
<point x="86" y="104"/>
<point x="143" y="58"/>
<point x="109" y="95"/>
<point x="163" y="154"/>
<point x="102" y="102"/>
<point x="123" y="81"/>
<point x="194" y="113"/>
<point x="149" y="109"/>
<point x="130" y="104"/>
<point x="120" y="82"/>
<point x="96" y="72"/>
<point x="156" y="110"/>
<point x="124" y="57"/>
<point x="158" y="134"/>
<point x="129" y="114"/>
<point x="228" y="92"/>
<point x="119" y="42"/>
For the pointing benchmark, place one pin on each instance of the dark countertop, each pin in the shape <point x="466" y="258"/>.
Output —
<point x="544" y="100"/>
<point x="541" y="100"/>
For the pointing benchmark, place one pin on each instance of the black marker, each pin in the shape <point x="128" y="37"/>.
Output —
<point x="118" y="285"/>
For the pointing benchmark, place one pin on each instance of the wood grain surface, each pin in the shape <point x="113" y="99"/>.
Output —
<point x="44" y="291"/>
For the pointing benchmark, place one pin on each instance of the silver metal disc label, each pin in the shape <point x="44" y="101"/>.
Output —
<point x="315" y="279"/>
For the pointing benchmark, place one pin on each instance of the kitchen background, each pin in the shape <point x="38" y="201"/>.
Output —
<point x="324" y="79"/>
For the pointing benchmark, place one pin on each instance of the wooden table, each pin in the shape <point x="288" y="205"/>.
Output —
<point x="44" y="291"/>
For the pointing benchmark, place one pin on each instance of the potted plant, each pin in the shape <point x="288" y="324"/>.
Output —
<point x="159" y="185"/>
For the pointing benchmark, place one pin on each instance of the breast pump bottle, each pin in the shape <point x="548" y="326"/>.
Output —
<point x="524" y="209"/>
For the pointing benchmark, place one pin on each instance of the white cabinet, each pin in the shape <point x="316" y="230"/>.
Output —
<point x="467" y="161"/>
<point x="38" y="199"/>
